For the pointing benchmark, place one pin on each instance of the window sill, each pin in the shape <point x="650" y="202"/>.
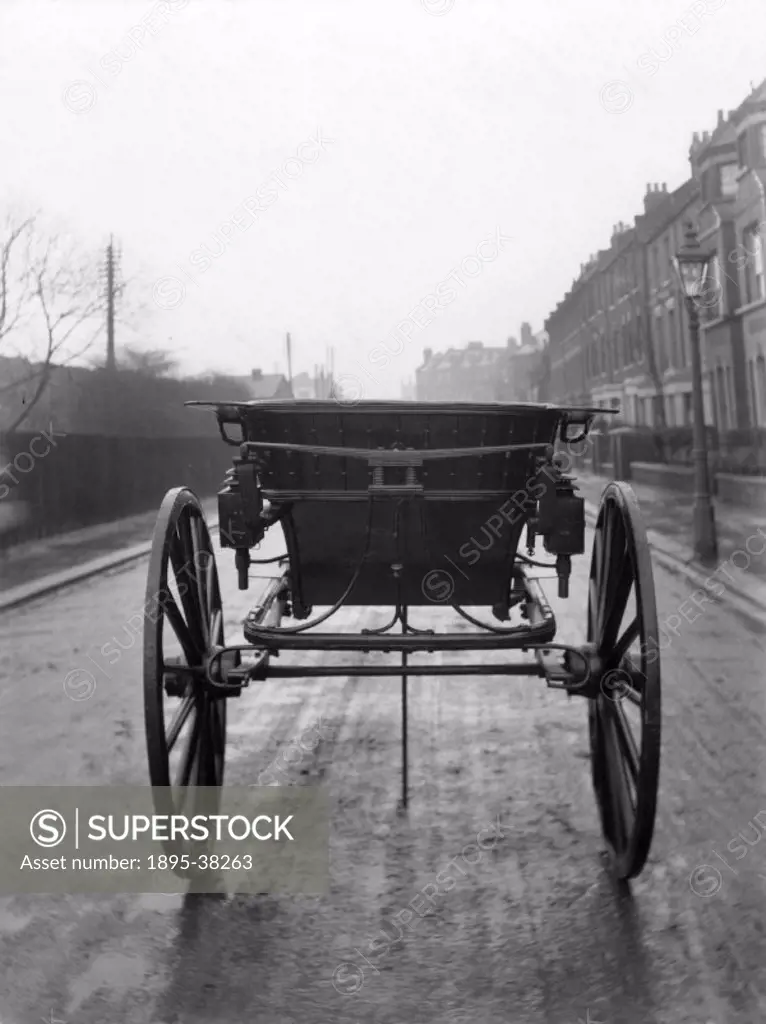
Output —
<point x="750" y="306"/>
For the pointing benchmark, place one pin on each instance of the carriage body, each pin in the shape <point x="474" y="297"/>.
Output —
<point x="408" y="504"/>
<point x="428" y="487"/>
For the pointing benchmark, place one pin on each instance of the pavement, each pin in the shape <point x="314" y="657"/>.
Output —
<point x="37" y="568"/>
<point x="741" y="564"/>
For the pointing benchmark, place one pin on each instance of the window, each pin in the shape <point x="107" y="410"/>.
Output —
<point x="662" y="343"/>
<point x="687" y="408"/>
<point x="729" y="174"/>
<point x="721" y="399"/>
<point x="742" y="149"/>
<point x="675" y="357"/>
<point x="668" y="340"/>
<point x="754" y="280"/>
<point x="707" y="185"/>
<point x="730" y="396"/>
<point x="755" y="417"/>
<point x="760" y="366"/>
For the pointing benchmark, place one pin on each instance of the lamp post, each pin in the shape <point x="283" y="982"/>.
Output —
<point x="692" y="264"/>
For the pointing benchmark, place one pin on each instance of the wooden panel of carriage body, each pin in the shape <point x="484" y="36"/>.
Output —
<point x="456" y="518"/>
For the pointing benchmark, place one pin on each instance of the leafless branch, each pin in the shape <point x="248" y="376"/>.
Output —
<point x="50" y="298"/>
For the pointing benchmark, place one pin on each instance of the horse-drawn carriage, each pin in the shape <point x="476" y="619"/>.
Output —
<point x="376" y="503"/>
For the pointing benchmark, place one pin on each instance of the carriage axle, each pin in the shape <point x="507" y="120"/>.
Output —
<point x="580" y="673"/>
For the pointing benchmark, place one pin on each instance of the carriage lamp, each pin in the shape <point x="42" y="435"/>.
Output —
<point x="561" y="522"/>
<point x="239" y="508"/>
<point x="692" y="264"/>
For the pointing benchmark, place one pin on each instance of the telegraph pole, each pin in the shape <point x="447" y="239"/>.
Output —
<point x="289" y="360"/>
<point x="111" y="362"/>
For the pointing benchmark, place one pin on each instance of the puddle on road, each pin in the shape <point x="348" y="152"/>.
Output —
<point x="117" y="973"/>
<point x="159" y="902"/>
<point x="11" y="924"/>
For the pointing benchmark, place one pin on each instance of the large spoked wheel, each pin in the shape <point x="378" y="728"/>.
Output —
<point x="185" y="721"/>
<point x="625" y="717"/>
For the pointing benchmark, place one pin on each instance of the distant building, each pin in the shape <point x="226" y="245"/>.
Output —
<point x="472" y="374"/>
<point x="523" y="366"/>
<point x="541" y="375"/>
<point x="268" y="385"/>
<point x="304" y="386"/>
<point x="409" y="390"/>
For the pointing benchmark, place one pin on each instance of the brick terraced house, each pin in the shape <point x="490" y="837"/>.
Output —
<point x="620" y="336"/>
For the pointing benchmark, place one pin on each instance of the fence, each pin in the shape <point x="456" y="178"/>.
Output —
<point x="82" y="480"/>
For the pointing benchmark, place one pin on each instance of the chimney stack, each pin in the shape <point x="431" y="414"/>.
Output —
<point x="654" y="197"/>
<point x="721" y="118"/>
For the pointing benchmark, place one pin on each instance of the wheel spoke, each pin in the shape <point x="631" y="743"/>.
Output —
<point x="190" y="647"/>
<point x="616" y="597"/>
<point x="210" y="589"/>
<point x="190" y="754"/>
<point x="622" y="805"/>
<point x="626" y="740"/>
<point x="216" y="627"/>
<point x="216" y="740"/>
<point x="207" y="774"/>
<point x="180" y="564"/>
<point x="620" y="649"/>
<point x="191" y="596"/>
<point x="201" y="561"/>
<point x="179" y="720"/>
<point x="593" y="610"/>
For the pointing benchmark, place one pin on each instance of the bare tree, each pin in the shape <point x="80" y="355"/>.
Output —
<point x="51" y="311"/>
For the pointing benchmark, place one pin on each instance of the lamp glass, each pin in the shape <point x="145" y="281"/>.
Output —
<point x="693" y="274"/>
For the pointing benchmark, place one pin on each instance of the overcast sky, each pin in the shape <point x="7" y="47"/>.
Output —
<point x="440" y="124"/>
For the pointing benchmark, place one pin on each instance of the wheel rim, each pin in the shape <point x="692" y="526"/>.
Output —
<point x="624" y="720"/>
<point x="185" y="729"/>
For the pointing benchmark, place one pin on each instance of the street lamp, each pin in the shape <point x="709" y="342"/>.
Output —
<point x="692" y="264"/>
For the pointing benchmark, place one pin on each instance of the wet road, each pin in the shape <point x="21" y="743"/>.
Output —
<point x="531" y="930"/>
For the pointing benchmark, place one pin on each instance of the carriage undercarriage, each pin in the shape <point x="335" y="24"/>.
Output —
<point x="616" y="669"/>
